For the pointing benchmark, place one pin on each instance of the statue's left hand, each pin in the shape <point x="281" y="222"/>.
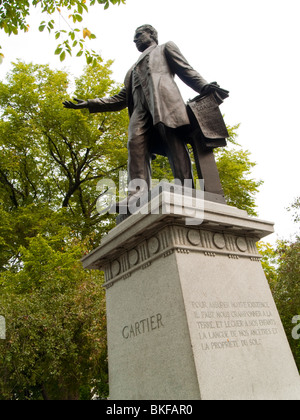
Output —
<point x="80" y="104"/>
<point x="211" y="87"/>
<point x="214" y="88"/>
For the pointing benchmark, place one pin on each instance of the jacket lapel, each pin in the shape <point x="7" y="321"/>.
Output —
<point x="128" y="78"/>
<point x="145" y="53"/>
<point x="129" y="73"/>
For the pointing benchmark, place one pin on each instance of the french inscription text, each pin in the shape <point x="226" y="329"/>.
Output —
<point x="223" y="325"/>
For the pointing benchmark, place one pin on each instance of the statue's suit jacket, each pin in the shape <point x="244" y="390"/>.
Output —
<point x="156" y="69"/>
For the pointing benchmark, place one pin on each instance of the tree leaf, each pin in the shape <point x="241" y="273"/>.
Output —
<point x="86" y="33"/>
<point x="62" y="56"/>
<point x="58" y="50"/>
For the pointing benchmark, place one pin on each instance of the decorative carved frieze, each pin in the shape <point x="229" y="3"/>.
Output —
<point x="182" y="240"/>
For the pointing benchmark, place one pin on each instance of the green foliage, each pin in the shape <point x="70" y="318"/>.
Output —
<point x="161" y="169"/>
<point x="235" y="168"/>
<point x="14" y="15"/>
<point x="50" y="162"/>
<point x="54" y="157"/>
<point x="295" y="208"/>
<point x="285" y="281"/>
<point x="287" y="290"/>
<point x="269" y="261"/>
<point x="56" y="330"/>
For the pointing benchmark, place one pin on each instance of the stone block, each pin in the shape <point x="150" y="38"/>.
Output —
<point x="189" y="311"/>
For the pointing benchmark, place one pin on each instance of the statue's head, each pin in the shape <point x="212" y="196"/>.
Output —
<point x="145" y="36"/>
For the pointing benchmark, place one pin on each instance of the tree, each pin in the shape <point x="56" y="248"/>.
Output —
<point x="282" y="267"/>
<point x="14" y="15"/>
<point x="269" y="262"/>
<point x="235" y="168"/>
<point x="286" y="289"/>
<point x="56" y="329"/>
<point x="295" y="208"/>
<point x="50" y="163"/>
<point x="53" y="158"/>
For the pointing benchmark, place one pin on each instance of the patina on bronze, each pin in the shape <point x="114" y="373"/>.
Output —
<point x="160" y="121"/>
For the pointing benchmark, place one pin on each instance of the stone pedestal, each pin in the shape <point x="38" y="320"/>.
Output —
<point x="190" y="314"/>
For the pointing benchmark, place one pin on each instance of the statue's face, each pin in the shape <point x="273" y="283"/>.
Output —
<point x="143" y="40"/>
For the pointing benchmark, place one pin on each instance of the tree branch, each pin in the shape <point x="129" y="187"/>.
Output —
<point x="58" y="159"/>
<point x="12" y="189"/>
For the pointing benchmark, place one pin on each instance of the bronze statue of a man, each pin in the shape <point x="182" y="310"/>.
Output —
<point x="158" y="114"/>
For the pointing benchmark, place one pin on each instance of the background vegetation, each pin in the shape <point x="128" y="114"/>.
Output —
<point x="71" y="37"/>
<point x="51" y="160"/>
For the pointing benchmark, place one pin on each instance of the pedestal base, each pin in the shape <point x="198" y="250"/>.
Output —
<point x="189" y="311"/>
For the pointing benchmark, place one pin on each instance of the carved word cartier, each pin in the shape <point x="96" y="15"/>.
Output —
<point x="144" y="326"/>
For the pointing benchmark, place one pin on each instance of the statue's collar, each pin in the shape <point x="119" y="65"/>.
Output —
<point x="145" y="53"/>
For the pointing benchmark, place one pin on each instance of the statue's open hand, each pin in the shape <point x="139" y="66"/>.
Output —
<point x="80" y="104"/>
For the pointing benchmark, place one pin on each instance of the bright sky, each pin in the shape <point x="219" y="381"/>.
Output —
<point x="251" y="48"/>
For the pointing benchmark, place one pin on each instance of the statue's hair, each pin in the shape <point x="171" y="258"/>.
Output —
<point x="152" y="31"/>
